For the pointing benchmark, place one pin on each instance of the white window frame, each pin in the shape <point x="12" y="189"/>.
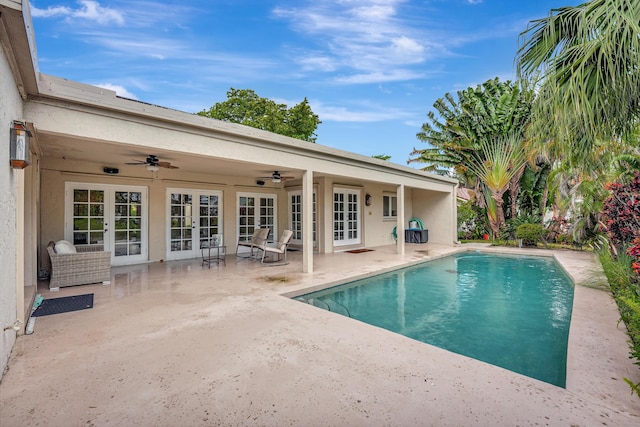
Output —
<point x="387" y="204"/>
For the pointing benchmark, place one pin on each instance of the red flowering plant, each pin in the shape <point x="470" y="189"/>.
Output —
<point x="621" y="213"/>
<point x="634" y="251"/>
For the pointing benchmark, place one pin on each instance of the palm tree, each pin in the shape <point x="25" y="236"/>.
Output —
<point x="496" y="163"/>
<point x="456" y="133"/>
<point x="589" y="60"/>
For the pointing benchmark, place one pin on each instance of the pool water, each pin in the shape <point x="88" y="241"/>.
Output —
<point x="510" y="311"/>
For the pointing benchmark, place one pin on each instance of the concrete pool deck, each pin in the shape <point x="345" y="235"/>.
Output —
<point x="174" y="343"/>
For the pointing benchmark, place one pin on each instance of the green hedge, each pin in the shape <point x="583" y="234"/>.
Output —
<point x="530" y="234"/>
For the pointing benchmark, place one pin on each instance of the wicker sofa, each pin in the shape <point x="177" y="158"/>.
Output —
<point x="89" y="265"/>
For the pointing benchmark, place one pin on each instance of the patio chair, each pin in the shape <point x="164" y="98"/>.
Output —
<point x="280" y="248"/>
<point x="259" y="237"/>
<point x="78" y="265"/>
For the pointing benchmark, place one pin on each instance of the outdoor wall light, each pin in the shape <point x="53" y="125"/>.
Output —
<point x="20" y="155"/>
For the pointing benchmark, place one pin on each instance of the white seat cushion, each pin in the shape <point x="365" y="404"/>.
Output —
<point x="65" y="247"/>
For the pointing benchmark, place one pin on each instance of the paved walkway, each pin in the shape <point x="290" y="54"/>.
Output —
<point x="174" y="343"/>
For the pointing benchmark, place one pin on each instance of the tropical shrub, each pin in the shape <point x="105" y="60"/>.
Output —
<point x="530" y="234"/>
<point x="467" y="219"/>
<point x="512" y="224"/>
<point x="621" y="212"/>
<point x="634" y="252"/>
<point x="558" y="228"/>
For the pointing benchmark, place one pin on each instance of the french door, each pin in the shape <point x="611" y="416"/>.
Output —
<point x="346" y="217"/>
<point x="256" y="211"/>
<point x="194" y="217"/>
<point x="114" y="217"/>
<point x="295" y="217"/>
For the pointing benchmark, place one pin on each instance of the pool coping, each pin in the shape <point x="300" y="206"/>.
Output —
<point x="592" y="366"/>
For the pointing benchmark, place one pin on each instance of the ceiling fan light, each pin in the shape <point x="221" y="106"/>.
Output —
<point x="152" y="168"/>
<point x="276" y="179"/>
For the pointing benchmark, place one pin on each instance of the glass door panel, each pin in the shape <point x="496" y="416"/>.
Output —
<point x="246" y="217"/>
<point x="267" y="215"/>
<point x="88" y="217"/>
<point x="209" y="218"/>
<point x="127" y="223"/>
<point x="114" y="217"/>
<point x="295" y="216"/>
<point x="181" y="222"/>
<point x="256" y="211"/>
<point x="338" y="217"/>
<point x="346" y="217"/>
<point x="194" y="217"/>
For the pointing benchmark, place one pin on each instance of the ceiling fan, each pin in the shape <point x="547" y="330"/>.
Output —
<point x="276" y="177"/>
<point x="153" y="164"/>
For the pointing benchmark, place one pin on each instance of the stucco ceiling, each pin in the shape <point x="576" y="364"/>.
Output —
<point x="56" y="148"/>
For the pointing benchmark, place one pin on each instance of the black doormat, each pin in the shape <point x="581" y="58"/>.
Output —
<point x="64" y="305"/>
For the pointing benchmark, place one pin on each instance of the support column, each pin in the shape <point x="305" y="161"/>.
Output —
<point x="307" y="221"/>
<point x="400" y="220"/>
<point x="19" y="236"/>
<point x="454" y="208"/>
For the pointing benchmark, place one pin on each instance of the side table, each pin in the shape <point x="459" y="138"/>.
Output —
<point x="219" y="255"/>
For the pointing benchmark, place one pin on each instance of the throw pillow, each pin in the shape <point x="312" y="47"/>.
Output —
<point x="65" y="247"/>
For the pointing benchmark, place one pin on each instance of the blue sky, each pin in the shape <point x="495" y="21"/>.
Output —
<point x="371" y="69"/>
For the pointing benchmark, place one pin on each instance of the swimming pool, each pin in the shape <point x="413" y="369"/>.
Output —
<point x="510" y="311"/>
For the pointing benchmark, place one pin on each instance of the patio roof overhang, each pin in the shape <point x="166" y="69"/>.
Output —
<point x="81" y="123"/>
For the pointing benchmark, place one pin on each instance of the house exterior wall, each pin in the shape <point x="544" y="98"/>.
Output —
<point x="437" y="212"/>
<point x="57" y="173"/>
<point x="10" y="181"/>
<point x="376" y="230"/>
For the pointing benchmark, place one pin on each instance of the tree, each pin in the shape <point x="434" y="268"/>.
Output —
<point x="496" y="163"/>
<point x="475" y="125"/>
<point x="588" y="57"/>
<point x="244" y="106"/>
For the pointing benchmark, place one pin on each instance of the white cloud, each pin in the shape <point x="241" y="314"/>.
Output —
<point x="323" y="63"/>
<point x="51" y="11"/>
<point x="119" y="90"/>
<point x="379" y="77"/>
<point x="362" y="113"/>
<point x="89" y="10"/>
<point x="365" y="36"/>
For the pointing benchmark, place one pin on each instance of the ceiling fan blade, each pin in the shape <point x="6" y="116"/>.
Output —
<point x="167" y="165"/>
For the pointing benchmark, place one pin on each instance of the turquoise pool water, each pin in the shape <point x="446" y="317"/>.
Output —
<point x="510" y="311"/>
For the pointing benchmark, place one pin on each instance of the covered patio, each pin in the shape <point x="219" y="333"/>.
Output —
<point x="175" y="343"/>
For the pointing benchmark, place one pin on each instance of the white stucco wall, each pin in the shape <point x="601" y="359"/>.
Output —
<point x="376" y="230"/>
<point x="435" y="211"/>
<point x="10" y="109"/>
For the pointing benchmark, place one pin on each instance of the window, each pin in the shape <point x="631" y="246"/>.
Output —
<point x="389" y="206"/>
